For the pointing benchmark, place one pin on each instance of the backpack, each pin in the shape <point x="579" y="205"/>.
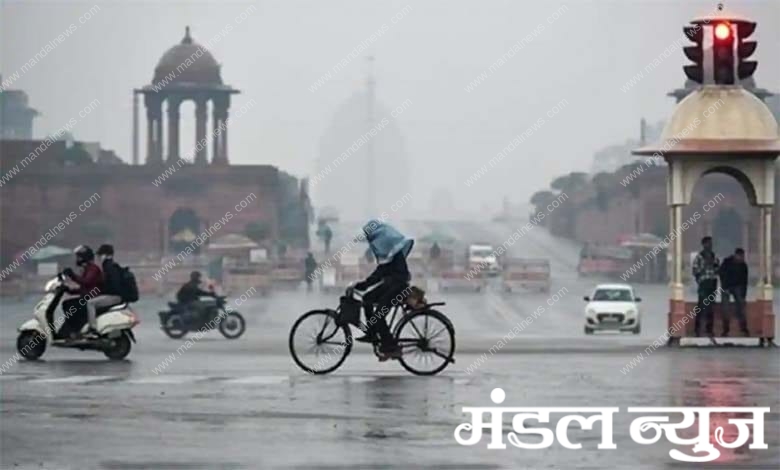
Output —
<point x="127" y="285"/>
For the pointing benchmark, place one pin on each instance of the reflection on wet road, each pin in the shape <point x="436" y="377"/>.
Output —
<point x="244" y="405"/>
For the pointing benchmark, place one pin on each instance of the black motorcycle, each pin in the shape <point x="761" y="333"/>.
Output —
<point x="179" y="320"/>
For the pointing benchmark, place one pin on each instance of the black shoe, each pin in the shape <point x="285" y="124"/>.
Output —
<point x="390" y="353"/>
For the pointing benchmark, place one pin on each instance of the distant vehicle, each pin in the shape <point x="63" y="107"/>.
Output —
<point x="604" y="260"/>
<point x="612" y="307"/>
<point x="484" y="256"/>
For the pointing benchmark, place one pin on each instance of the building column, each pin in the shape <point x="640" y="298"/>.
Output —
<point x="677" y="288"/>
<point x="221" y="105"/>
<point x="173" y="129"/>
<point x="153" y="128"/>
<point x="765" y="244"/>
<point x="201" y="142"/>
<point x="135" y="128"/>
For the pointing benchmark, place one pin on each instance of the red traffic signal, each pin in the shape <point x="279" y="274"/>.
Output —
<point x="722" y="31"/>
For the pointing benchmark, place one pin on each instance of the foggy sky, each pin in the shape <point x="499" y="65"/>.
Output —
<point x="429" y="57"/>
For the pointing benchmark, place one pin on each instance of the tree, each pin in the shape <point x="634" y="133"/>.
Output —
<point x="541" y="198"/>
<point x="257" y="231"/>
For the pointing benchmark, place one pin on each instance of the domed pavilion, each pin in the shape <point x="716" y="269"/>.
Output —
<point x="186" y="71"/>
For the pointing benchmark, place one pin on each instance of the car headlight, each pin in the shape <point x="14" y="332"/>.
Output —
<point x="631" y="313"/>
<point x="590" y="312"/>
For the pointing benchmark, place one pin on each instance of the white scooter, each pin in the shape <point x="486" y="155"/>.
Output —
<point x="114" y="327"/>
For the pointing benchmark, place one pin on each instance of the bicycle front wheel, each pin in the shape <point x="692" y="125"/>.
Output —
<point x="317" y="344"/>
<point x="427" y="340"/>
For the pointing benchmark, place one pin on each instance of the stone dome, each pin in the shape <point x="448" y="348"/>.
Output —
<point x="187" y="63"/>
<point x="719" y="119"/>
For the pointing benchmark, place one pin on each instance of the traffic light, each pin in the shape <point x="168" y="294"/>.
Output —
<point x="695" y="53"/>
<point x="723" y="53"/>
<point x="745" y="49"/>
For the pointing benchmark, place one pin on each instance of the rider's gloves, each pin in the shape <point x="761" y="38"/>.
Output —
<point x="68" y="272"/>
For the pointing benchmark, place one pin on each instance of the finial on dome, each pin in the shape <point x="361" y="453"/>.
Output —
<point x="187" y="38"/>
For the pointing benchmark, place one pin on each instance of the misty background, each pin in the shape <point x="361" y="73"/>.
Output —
<point x="428" y="56"/>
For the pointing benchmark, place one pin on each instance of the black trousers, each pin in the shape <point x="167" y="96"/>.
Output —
<point x="385" y="296"/>
<point x="75" y="316"/>
<point x="706" y="299"/>
<point x="738" y="293"/>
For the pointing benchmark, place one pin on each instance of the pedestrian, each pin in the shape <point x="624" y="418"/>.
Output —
<point x="705" y="271"/>
<point x="734" y="281"/>
<point x="310" y="266"/>
<point x="435" y="251"/>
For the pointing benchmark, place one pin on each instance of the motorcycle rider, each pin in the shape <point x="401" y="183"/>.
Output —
<point x="111" y="293"/>
<point x="390" y="278"/>
<point x="90" y="283"/>
<point x="189" y="295"/>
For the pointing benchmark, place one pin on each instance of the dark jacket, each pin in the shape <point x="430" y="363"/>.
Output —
<point x="395" y="270"/>
<point x="733" y="274"/>
<point x="112" y="278"/>
<point x="190" y="292"/>
<point x="310" y="265"/>
<point x="91" y="279"/>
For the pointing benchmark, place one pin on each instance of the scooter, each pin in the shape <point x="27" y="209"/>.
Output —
<point x="114" y="327"/>
<point x="178" y="321"/>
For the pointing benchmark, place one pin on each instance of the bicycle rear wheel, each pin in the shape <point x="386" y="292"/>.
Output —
<point x="427" y="340"/>
<point x="317" y="344"/>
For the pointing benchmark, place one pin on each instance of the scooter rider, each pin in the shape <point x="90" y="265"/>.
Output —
<point x="90" y="283"/>
<point x="189" y="295"/>
<point x="111" y="293"/>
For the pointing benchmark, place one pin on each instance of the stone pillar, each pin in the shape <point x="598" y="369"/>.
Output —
<point x="135" y="128"/>
<point x="216" y="135"/>
<point x="766" y="253"/>
<point x="201" y="142"/>
<point x="677" y="253"/>
<point x="173" y="129"/>
<point x="221" y="104"/>
<point x="153" y="128"/>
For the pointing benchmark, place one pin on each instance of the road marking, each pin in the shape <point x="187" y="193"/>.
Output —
<point x="74" y="379"/>
<point x="259" y="380"/>
<point x="168" y="379"/>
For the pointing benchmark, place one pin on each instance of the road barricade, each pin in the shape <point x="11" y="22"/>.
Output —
<point x="455" y="279"/>
<point x="526" y="274"/>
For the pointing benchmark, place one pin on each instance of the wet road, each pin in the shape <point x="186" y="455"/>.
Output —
<point x="243" y="404"/>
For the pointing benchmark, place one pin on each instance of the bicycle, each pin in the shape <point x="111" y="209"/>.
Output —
<point x="423" y="334"/>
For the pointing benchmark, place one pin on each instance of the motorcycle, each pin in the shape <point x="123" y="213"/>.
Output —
<point x="114" y="327"/>
<point x="178" y="321"/>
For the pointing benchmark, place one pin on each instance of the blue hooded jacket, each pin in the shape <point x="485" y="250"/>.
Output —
<point x="385" y="241"/>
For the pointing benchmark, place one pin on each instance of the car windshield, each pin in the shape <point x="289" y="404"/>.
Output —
<point x="613" y="295"/>
<point x="482" y="253"/>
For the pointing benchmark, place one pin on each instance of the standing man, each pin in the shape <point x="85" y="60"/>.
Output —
<point x="310" y="266"/>
<point x="705" y="270"/>
<point x="734" y="281"/>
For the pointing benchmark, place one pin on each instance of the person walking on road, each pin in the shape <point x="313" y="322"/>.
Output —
<point x="734" y="281"/>
<point x="705" y="270"/>
<point x="310" y="267"/>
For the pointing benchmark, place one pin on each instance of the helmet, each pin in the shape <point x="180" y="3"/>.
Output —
<point x="106" y="250"/>
<point x="195" y="276"/>
<point x="83" y="254"/>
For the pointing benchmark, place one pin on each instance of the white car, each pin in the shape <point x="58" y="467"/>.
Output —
<point x="484" y="257"/>
<point x="612" y="307"/>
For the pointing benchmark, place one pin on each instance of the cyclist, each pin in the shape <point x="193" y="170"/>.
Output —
<point x="390" y="278"/>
